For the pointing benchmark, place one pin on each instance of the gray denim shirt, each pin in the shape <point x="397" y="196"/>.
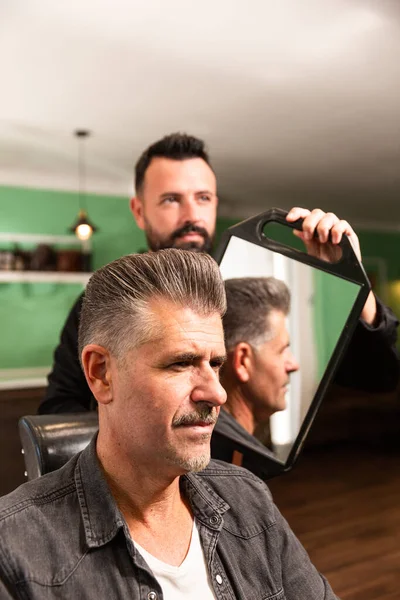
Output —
<point x="62" y="536"/>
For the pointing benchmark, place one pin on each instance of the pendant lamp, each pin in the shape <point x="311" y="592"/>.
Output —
<point x="83" y="227"/>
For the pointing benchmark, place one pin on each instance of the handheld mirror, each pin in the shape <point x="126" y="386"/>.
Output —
<point x="326" y="298"/>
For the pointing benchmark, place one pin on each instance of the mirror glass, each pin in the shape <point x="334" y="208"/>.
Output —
<point x="321" y="303"/>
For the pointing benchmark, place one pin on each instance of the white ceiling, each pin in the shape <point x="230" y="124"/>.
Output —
<point x="299" y="101"/>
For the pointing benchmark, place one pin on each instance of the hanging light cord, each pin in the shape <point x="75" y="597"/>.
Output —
<point x="81" y="134"/>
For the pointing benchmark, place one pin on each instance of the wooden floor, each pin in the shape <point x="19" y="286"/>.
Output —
<point x="343" y="503"/>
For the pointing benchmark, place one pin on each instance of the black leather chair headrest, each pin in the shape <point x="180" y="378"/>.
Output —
<point x="49" y="441"/>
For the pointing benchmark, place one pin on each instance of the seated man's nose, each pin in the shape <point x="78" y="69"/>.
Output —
<point x="292" y="365"/>
<point x="211" y="392"/>
<point x="221" y="395"/>
<point x="217" y="394"/>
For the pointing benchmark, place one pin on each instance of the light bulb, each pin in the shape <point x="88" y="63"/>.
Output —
<point x="83" y="231"/>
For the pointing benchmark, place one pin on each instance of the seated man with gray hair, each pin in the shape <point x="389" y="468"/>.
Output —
<point x="142" y="512"/>
<point x="259" y="362"/>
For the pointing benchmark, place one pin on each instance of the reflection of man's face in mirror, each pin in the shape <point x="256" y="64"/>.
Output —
<point x="260" y="361"/>
<point x="270" y="365"/>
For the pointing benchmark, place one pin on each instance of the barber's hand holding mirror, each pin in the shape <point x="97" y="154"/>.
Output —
<point x="321" y="234"/>
<point x="293" y="302"/>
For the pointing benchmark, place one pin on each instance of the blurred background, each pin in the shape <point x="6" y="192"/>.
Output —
<point x="299" y="103"/>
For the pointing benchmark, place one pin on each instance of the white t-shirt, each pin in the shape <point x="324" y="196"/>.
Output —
<point x="189" y="580"/>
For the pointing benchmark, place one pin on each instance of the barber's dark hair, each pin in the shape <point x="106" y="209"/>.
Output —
<point x="176" y="146"/>
<point x="249" y="303"/>
<point x="115" y="311"/>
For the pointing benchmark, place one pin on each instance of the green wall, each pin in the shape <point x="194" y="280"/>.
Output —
<point x="333" y="301"/>
<point x="32" y="315"/>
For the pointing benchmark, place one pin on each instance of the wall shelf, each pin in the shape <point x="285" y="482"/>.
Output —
<point x="13" y="379"/>
<point x="43" y="277"/>
<point x="35" y="238"/>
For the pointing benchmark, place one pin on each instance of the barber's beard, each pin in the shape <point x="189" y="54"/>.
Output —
<point x="156" y="242"/>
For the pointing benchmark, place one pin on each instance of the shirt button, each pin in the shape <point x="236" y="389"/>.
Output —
<point x="152" y="596"/>
<point x="214" y="520"/>
<point x="218" y="578"/>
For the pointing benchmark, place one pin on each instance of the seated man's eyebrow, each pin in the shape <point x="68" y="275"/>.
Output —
<point x="192" y="356"/>
<point x="185" y="357"/>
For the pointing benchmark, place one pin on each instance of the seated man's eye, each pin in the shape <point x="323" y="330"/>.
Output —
<point x="216" y="366"/>
<point x="181" y="364"/>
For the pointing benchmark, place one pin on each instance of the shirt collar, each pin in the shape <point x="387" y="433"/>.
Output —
<point x="208" y="507"/>
<point x="100" y="514"/>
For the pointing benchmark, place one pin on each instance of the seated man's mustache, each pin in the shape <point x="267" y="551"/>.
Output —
<point x="205" y="415"/>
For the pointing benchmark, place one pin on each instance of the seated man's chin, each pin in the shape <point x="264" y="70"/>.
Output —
<point x="282" y="405"/>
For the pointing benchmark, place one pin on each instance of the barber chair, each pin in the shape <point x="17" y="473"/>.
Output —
<point x="49" y="441"/>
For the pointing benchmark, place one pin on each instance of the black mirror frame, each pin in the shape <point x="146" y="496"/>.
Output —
<point x="349" y="268"/>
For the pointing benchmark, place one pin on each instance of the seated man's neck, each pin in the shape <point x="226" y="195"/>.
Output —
<point x="152" y="505"/>
<point x="240" y="409"/>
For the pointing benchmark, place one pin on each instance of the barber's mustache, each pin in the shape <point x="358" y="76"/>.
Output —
<point x="190" y="228"/>
<point x="207" y="415"/>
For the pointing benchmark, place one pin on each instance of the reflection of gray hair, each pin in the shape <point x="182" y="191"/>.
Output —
<point x="249" y="303"/>
<point x="115" y="311"/>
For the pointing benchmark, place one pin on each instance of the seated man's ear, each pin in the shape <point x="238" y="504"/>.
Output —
<point x="242" y="361"/>
<point x="96" y="362"/>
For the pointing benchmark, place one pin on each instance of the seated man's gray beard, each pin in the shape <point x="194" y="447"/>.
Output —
<point x="155" y="243"/>
<point x="192" y="464"/>
<point x="205" y="414"/>
<point x="188" y="463"/>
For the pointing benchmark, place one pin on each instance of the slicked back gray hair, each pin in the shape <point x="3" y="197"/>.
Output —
<point x="249" y="303"/>
<point x="115" y="311"/>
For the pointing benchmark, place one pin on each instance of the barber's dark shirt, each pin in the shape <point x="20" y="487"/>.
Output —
<point x="371" y="363"/>
<point x="63" y="537"/>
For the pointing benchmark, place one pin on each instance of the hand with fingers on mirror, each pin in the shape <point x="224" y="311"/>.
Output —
<point x="321" y="234"/>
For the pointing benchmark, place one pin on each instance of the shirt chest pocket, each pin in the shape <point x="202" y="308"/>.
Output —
<point x="252" y="562"/>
